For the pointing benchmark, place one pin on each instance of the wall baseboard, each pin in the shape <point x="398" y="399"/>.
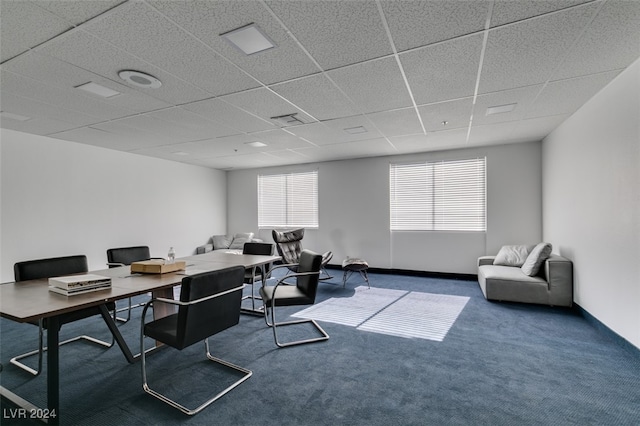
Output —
<point x="428" y="274"/>
<point x="619" y="340"/>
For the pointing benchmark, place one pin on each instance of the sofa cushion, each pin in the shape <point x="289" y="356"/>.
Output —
<point x="221" y="241"/>
<point x="512" y="255"/>
<point x="240" y="239"/>
<point x="536" y="258"/>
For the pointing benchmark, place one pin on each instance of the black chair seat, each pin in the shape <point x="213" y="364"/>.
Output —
<point x="287" y="295"/>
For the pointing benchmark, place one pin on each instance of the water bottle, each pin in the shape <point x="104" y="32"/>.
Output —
<point x="171" y="257"/>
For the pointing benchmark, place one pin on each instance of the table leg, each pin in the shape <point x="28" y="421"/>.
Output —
<point x="53" y="371"/>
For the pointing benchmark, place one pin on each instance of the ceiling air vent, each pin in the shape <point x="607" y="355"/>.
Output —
<point x="287" y="120"/>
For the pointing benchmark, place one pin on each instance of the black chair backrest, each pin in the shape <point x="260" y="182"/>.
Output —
<point x="308" y="284"/>
<point x="289" y="244"/>
<point x="201" y="320"/>
<point x="52" y="267"/>
<point x="127" y="255"/>
<point x="265" y="249"/>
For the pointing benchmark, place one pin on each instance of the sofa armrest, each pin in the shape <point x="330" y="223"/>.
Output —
<point x="204" y="248"/>
<point x="558" y="272"/>
<point x="485" y="260"/>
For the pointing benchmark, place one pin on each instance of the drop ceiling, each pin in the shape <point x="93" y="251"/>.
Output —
<point x="409" y="76"/>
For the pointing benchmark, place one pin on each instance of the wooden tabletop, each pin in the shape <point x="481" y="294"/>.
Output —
<point x="30" y="300"/>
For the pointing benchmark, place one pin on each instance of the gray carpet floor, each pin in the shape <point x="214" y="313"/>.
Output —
<point x="499" y="364"/>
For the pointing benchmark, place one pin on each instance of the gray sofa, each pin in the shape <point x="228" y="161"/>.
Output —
<point x="228" y="242"/>
<point x="553" y="285"/>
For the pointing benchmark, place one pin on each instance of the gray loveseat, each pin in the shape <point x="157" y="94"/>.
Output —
<point x="228" y="242"/>
<point x="552" y="285"/>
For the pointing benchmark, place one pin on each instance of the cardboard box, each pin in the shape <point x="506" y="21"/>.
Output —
<point x="157" y="266"/>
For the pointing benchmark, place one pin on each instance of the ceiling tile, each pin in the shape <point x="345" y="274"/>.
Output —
<point x="318" y="96"/>
<point x="279" y="139"/>
<point x="104" y="59"/>
<point x="446" y="139"/>
<point x="35" y="109"/>
<point x="506" y="11"/>
<point x="374" y="85"/>
<point x="491" y="134"/>
<point x="207" y="20"/>
<point x="536" y="129"/>
<point x="196" y="125"/>
<point x="443" y="71"/>
<point x="333" y="131"/>
<point x="566" y="96"/>
<point x="54" y="72"/>
<point x="456" y="113"/>
<point x="335" y="33"/>
<point x="419" y="23"/>
<point x="77" y="11"/>
<point x="143" y="32"/>
<point x="217" y="109"/>
<point x="522" y="97"/>
<point x="527" y="53"/>
<point x="24" y="25"/>
<point x="611" y="42"/>
<point x="36" y="126"/>
<point x="265" y="104"/>
<point x="77" y="101"/>
<point x="397" y="122"/>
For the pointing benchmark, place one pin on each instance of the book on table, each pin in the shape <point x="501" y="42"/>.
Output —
<point x="79" y="284"/>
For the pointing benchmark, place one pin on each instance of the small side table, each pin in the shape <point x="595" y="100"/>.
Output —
<point x="351" y="265"/>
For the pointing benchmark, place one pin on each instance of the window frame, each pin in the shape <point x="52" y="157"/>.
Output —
<point x="293" y="194"/>
<point x="454" y="196"/>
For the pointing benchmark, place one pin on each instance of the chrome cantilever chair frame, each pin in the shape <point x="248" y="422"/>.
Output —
<point x="252" y="273"/>
<point x="165" y="399"/>
<point x="274" y="325"/>
<point x="41" y="348"/>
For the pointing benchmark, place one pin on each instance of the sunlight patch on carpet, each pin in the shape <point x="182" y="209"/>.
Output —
<point x="418" y="315"/>
<point x="392" y="312"/>
<point x="353" y="310"/>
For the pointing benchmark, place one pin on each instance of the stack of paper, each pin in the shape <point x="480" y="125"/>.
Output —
<point x="79" y="284"/>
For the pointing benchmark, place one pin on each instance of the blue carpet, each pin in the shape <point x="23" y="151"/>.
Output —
<point x="499" y="364"/>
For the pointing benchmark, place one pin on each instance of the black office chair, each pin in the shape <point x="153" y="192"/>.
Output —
<point x="254" y="274"/>
<point x="209" y="303"/>
<point x="124" y="256"/>
<point x="55" y="267"/>
<point x="302" y="293"/>
<point x="289" y="246"/>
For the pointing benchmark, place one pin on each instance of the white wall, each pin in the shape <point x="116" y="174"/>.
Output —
<point x="354" y="210"/>
<point x="591" y="202"/>
<point x="63" y="198"/>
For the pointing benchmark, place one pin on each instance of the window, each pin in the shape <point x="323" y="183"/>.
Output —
<point x="288" y="200"/>
<point x="438" y="196"/>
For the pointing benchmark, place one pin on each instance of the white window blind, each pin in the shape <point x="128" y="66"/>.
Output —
<point x="288" y="200"/>
<point x="438" y="196"/>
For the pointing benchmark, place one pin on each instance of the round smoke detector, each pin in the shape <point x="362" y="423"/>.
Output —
<point x="140" y="79"/>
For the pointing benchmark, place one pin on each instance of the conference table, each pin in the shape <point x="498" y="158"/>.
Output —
<point x="30" y="301"/>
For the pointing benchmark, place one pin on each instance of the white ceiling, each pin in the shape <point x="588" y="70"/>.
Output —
<point x="397" y="68"/>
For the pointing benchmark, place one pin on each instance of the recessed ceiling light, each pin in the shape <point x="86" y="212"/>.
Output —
<point x="256" y="144"/>
<point x="140" y="79"/>
<point x="249" y="39"/>
<point x="97" y="89"/>
<point x="500" y="109"/>
<point x="356" y="130"/>
<point x="13" y="116"/>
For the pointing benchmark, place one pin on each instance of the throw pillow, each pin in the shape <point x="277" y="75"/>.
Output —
<point x="536" y="258"/>
<point x="221" y="241"/>
<point x="512" y="255"/>
<point x="240" y="239"/>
